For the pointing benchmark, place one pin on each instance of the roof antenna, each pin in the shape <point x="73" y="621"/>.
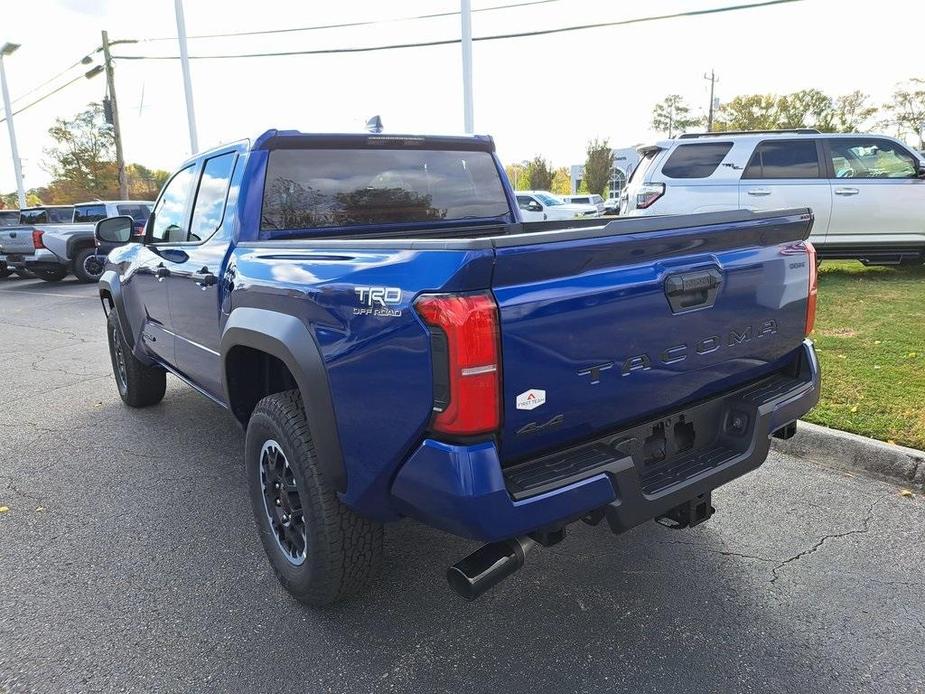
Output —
<point x="374" y="125"/>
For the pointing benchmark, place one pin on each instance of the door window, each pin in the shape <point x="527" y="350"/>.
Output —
<point x="139" y="213"/>
<point x="89" y="213"/>
<point x="870" y="158"/>
<point x="170" y="211"/>
<point x="784" y="159"/>
<point x="210" y="199"/>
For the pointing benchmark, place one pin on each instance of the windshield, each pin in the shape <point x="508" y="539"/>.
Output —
<point x="549" y="200"/>
<point x="317" y="188"/>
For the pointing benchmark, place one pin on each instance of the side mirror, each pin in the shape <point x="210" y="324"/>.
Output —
<point x="921" y="170"/>
<point x="114" y="229"/>
<point x="534" y="206"/>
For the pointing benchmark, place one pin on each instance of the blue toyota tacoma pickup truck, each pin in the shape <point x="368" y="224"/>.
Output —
<point x="396" y="342"/>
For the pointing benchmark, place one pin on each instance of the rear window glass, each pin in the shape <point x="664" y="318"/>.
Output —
<point x="318" y="188"/>
<point x="89" y="213"/>
<point x="784" y="159"/>
<point x="698" y="160"/>
<point x="643" y="165"/>
<point x="9" y="218"/>
<point x="580" y="200"/>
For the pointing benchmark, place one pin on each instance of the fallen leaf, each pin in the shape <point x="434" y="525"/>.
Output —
<point x="876" y="366"/>
<point x="906" y="492"/>
<point x="854" y="409"/>
<point x="4" y="509"/>
<point x="39" y="509"/>
<point x="876" y="342"/>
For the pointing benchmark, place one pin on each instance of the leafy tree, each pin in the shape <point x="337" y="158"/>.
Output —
<point x="82" y="161"/>
<point x="540" y="174"/>
<point x="808" y="108"/>
<point x="144" y="183"/>
<point x="852" y="112"/>
<point x="906" y="110"/>
<point x="748" y="112"/>
<point x="561" y="181"/>
<point x="598" y="166"/>
<point x="673" y="115"/>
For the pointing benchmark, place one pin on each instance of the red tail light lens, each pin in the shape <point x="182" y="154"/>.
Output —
<point x="37" y="239"/>
<point x="649" y="193"/>
<point x="813" y="287"/>
<point x="464" y="337"/>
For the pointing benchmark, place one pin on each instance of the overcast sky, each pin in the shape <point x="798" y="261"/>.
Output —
<point x="545" y="95"/>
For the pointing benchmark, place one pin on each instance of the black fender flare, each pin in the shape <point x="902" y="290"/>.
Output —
<point x="76" y="243"/>
<point x="110" y="284"/>
<point x="289" y="340"/>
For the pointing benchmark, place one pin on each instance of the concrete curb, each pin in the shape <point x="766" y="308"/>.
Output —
<point x="844" y="451"/>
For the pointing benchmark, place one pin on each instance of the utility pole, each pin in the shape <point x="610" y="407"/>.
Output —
<point x="8" y="49"/>
<point x="187" y="83"/>
<point x="713" y="81"/>
<point x="465" y="13"/>
<point x="116" y="130"/>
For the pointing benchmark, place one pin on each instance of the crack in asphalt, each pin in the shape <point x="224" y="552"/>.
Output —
<point x="52" y="390"/>
<point x="865" y="527"/>
<point x="724" y="552"/>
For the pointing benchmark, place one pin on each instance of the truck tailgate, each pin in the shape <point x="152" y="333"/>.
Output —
<point x="16" y="240"/>
<point x="615" y="325"/>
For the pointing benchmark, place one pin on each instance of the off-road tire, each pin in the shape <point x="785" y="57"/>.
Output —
<point x="139" y="385"/>
<point x="343" y="550"/>
<point x="80" y="271"/>
<point x="56" y="275"/>
<point x="5" y="271"/>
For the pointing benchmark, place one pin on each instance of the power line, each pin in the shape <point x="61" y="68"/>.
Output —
<point x="447" y="42"/>
<point x="48" y="81"/>
<point x="352" y="24"/>
<point x="95" y="71"/>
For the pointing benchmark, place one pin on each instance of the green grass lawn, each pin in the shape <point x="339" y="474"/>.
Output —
<point x="870" y="337"/>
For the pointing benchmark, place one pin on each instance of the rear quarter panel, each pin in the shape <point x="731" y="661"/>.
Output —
<point x="377" y="358"/>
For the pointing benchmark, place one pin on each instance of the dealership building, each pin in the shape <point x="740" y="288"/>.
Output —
<point x="624" y="161"/>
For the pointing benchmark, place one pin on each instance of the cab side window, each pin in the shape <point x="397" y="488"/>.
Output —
<point x="209" y="208"/>
<point x="170" y="212"/>
<point x="784" y="159"/>
<point x="524" y="202"/>
<point x="870" y="158"/>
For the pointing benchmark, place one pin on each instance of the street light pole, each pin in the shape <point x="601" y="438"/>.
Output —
<point x="465" y="13"/>
<point x="8" y="49"/>
<point x="116" y="128"/>
<point x="187" y="84"/>
<point x="713" y="80"/>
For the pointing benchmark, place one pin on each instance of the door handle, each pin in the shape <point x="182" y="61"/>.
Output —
<point x="204" y="278"/>
<point x="847" y="191"/>
<point x="160" y="272"/>
<point x="759" y="191"/>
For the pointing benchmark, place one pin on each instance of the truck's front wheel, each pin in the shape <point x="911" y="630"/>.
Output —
<point x="320" y="550"/>
<point x="139" y="384"/>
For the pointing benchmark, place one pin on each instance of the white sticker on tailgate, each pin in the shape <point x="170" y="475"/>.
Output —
<point x="531" y="399"/>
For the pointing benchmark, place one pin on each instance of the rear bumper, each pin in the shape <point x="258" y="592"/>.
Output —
<point x="464" y="490"/>
<point x="43" y="259"/>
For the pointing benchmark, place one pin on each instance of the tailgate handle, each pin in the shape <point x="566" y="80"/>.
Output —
<point x="689" y="291"/>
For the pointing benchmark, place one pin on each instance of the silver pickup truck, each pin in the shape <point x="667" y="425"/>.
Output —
<point x="53" y="241"/>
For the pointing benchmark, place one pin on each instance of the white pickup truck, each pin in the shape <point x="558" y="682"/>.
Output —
<point x="53" y="241"/>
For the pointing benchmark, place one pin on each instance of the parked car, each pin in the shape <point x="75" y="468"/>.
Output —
<point x="373" y="313"/>
<point x="583" y="199"/>
<point x="17" y="241"/>
<point x="51" y="249"/>
<point x="543" y="206"/>
<point x="867" y="192"/>
<point x="612" y="205"/>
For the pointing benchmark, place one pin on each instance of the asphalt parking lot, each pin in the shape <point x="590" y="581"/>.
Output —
<point x="128" y="561"/>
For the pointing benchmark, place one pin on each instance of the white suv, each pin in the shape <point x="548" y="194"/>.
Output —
<point x="867" y="192"/>
<point x="586" y="199"/>
<point x="543" y="206"/>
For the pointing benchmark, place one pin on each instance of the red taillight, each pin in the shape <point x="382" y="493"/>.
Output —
<point x="37" y="239"/>
<point x="649" y="193"/>
<point x="813" y="287"/>
<point x="466" y="341"/>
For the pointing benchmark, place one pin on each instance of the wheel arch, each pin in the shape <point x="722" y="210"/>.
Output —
<point x="287" y="342"/>
<point x="110" y="289"/>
